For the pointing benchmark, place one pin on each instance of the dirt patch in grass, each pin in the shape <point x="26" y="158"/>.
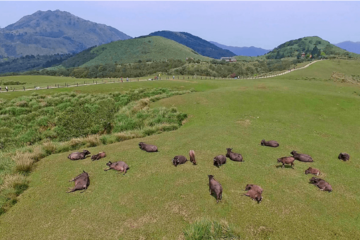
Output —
<point x="140" y="222"/>
<point x="261" y="86"/>
<point x="186" y="119"/>
<point x="244" y="123"/>
<point x="260" y="232"/>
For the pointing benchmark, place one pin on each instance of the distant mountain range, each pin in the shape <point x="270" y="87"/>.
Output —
<point x="350" y="46"/>
<point x="200" y="45"/>
<point x="52" y="32"/>
<point x="243" y="51"/>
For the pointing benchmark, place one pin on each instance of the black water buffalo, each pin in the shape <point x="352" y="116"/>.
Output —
<point x="237" y="157"/>
<point x="286" y="160"/>
<point x="148" y="147"/>
<point x="215" y="187"/>
<point x="253" y="187"/>
<point x="118" y="166"/>
<point x="301" y="157"/>
<point x="219" y="160"/>
<point x="270" y="143"/>
<point x="344" y="156"/>
<point x="82" y="181"/>
<point x="98" y="156"/>
<point x="79" y="155"/>
<point x="177" y="160"/>
<point x="321" y="184"/>
<point x="313" y="171"/>
<point x="254" y="195"/>
<point x="192" y="157"/>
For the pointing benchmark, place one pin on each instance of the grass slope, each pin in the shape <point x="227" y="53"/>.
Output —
<point x="315" y="117"/>
<point x="133" y="50"/>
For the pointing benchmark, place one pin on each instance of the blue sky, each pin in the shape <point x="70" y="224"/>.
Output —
<point x="260" y="24"/>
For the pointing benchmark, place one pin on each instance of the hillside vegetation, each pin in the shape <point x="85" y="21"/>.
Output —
<point x="319" y="118"/>
<point x="314" y="46"/>
<point x="53" y="32"/>
<point x="145" y="49"/>
<point x="199" y="45"/>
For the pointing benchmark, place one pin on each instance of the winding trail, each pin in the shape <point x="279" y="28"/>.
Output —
<point x="143" y="80"/>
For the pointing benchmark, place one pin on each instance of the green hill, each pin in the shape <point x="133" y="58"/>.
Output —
<point x="314" y="46"/>
<point x="132" y="50"/>
<point x="198" y="44"/>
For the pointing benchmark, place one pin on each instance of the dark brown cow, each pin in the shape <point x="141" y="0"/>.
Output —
<point x="177" y="160"/>
<point x="301" y="157"/>
<point x="98" y="156"/>
<point x="344" y="156"/>
<point x="148" y="147"/>
<point x="215" y="187"/>
<point x="82" y="181"/>
<point x="255" y="195"/>
<point x="219" y="160"/>
<point x="118" y="166"/>
<point x="79" y="155"/>
<point x="237" y="157"/>
<point x="270" y="143"/>
<point x="253" y="187"/>
<point x="313" y="171"/>
<point x="321" y="184"/>
<point x="286" y="160"/>
<point x="192" y="157"/>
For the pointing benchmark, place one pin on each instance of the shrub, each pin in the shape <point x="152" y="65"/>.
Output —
<point x="205" y="229"/>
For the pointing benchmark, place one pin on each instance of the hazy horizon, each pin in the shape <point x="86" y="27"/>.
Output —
<point x="241" y="24"/>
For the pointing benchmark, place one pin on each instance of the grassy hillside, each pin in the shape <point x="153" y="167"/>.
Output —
<point x="199" y="45"/>
<point x="133" y="50"/>
<point x="319" y="118"/>
<point x="309" y="45"/>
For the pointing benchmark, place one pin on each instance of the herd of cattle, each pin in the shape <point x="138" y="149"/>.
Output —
<point x="82" y="181"/>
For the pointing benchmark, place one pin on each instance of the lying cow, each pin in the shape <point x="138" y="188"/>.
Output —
<point x="148" y="147"/>
<point x="270" y="143"/>
<point x="192" y="157"/>
<point x="177" y="160"/>
<point x="219" y="160"/>
<point x="253" y="187"/>
<point x="313" y="171"/>
<point x="321" y="183"/>
<point x="78" y="155"/>
<point x="234" y="156"/>
<point x="118" y="166"/>
<point x="344" y="156"/>
<point x="98" y="156"/>
<point x="254" y="195"/>
<point x="286" y="160"/>
<point x="215" y="187"/>
<point x="301" y="157"/>
<point x="82" y="181"/>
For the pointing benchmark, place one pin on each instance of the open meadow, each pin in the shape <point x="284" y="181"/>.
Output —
<point x="306" y="110"/>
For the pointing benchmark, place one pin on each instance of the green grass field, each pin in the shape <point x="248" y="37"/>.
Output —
<point x="156" y="200"/>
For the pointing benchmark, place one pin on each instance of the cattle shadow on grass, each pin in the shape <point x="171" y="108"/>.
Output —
<point x="285" y="166"/>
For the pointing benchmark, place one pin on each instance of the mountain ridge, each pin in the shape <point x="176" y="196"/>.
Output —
<point x="243" y="51"/>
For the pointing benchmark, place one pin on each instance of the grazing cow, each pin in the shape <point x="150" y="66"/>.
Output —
<point x="98" y="156"/>
<point x="215" y="187"/>
<point x="179" y="160"/>
<point x="286" y="160"/>
<point x="78" y="155"/>
<point x="148" y="147"/>
<point x="255" y="195"/>
<point x="321" y="184"/>
<point x="253" y="187"/>
<point x="219" y="160"/>
<point x="82" y="181"/>
<point x="313" y="171"/>
<point x="344" y="156"/>
<point x="237" y="157"/>
<point x="270" y="143"/>
<point x="192" y="156"/>
<point x="301" y="157"/>
<point x="118" y="166"/>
